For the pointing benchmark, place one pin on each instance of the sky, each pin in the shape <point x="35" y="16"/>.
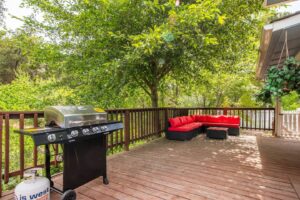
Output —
<point x="14" y="9"/>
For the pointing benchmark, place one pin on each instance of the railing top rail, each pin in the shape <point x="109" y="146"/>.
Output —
<point x="178" y="108"/>
<point x="135" y="109"/>
<point x="16" y="114"/>
<point x="227" y="108"/>
<point x="21" y="112"/>
<point x="141" y="109"/>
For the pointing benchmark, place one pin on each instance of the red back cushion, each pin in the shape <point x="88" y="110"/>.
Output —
<point x="210" y="118"/>
<point x="189" y="119"/>
<point x="175" y="122"/>
<point x="235" y="119"/>
<point x="223" y="119"/>
<point x="183" y="120"/>
<point x="229" y="119"/>
<point x="201" y="118"/>
<point x="194" y="117"/>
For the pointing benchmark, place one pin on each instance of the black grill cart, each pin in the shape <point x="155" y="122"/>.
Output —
<point x="84" y="147"/>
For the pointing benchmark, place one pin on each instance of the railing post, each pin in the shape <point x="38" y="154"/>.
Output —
<point x="166" y="119"/>
<point x="21" y="141"/>
<point x="277" y="117"/>
<point x="225" y="111"/>
<point x="1" y="128"/>
<point x="127" y="130"/>
<point x="6" y="148"/>
<point x="157" y="121"/>
<point x="35" y="151"/>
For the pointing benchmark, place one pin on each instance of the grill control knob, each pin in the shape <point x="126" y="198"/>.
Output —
<point x="103" y="128"/>
<point x="95" y="129"/>
<point x="74" y="133"/>
<point x="51" y="138"/>
<point x="85" y="131"/>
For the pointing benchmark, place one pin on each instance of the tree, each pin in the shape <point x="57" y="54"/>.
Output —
<point x="139" y="43"/>
<point x="223" y="89"/>
<point x="21" y="51"/>
<point x="10" y="58"/>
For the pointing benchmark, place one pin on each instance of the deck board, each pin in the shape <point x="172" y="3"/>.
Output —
<point x="251" y="166"/>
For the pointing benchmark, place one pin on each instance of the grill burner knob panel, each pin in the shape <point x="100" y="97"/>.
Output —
<point x="52" y="135"/>
<point x="51" y="138"/>
<point x="74" y="133"/>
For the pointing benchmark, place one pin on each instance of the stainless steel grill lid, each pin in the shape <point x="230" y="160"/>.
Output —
<point x="74" y="116"/>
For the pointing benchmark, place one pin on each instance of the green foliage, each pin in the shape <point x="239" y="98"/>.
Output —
<point x="281" y="80"/>
<point x="138" y="44"/>
<point x="291" y="101"/>
<point x="25" y="93"/>
<point x="115" y="54"/>
<point x="21" y="51"/>
<point x="10" y="57"/>
<point x="223" y="89"/>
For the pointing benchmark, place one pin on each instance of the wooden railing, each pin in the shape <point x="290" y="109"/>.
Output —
<point x="138" y="124"/>
<point x="290" y="124"/>
<point x="20" y="154"/>
<point x="251" y="118"/>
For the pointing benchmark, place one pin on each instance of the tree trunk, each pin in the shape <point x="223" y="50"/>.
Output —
<point x="154" y="101"/>
<point x="204" y="101"/>
<point x="154" y="96"/>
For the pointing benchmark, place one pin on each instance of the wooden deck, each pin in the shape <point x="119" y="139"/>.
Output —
<point x="247" y="167"/>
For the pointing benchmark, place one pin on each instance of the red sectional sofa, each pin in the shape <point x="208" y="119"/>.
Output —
<point x="187" y="127"/>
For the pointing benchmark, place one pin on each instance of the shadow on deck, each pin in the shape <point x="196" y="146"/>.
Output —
<point x="247" y="167"/>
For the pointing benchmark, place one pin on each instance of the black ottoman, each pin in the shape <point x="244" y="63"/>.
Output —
<point x="217" y="133"/>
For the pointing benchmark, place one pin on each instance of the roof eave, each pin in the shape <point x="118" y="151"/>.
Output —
<point x="264" y="45"/>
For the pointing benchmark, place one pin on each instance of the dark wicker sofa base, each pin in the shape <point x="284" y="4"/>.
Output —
<point x="231" y="131"/>
<point x="187" y="127"/>
<point x="234" y="131"/>
<point x="173" y="135"/>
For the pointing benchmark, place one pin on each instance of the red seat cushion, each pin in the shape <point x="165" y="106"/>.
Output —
<point x="196" y="124"/>
<point x="175" y="122"/>
<point x="222" y="124"/>
<point x="186" y="128"/>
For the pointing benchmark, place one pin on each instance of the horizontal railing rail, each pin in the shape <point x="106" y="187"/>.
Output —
<point x="18" y="153"/>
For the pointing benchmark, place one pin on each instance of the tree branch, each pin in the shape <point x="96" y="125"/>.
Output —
<point x="142" y="85"/>
<point x="164" y="71"/>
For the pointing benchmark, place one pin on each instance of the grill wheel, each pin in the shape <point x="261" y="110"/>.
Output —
<point x="69" y="195"/>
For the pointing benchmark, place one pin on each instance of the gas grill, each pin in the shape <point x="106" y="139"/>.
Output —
<point x="81" y="131"/>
